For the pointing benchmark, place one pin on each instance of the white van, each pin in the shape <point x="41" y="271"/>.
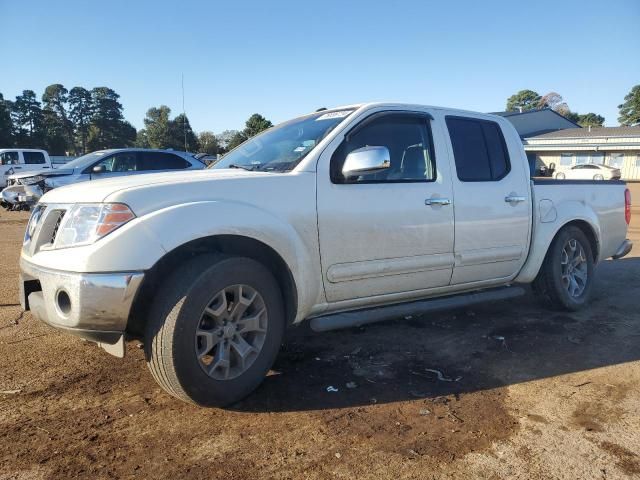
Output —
<point x="17" y="160"/>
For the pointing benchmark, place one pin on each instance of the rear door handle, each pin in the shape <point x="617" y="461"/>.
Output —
<point x="514" y="199"/>
<point x="437" y="201"/>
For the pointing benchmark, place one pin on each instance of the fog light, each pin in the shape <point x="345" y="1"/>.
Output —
<point x="63" y="302"/>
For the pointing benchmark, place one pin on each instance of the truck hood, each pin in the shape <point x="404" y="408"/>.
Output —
<point x="151" y="191"/>
<point x="45" y="173"/>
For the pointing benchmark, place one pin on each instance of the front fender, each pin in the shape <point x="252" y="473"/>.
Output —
<point x="177" y="225"/>
<point x="548" y="220"/>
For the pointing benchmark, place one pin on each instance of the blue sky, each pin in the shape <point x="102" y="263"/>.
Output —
<point x="286" y="58"/>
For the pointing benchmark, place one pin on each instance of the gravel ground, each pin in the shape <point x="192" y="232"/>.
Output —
<point x="533" y="394"/>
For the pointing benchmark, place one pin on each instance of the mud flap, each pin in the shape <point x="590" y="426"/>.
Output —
<point x="117" y="349"/>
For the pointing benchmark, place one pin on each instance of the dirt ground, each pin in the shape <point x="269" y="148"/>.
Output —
<point x="525" y="393"/>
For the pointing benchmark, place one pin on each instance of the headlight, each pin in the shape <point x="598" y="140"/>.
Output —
<point x="31" y="180"/>
<point x="83" y="224"/>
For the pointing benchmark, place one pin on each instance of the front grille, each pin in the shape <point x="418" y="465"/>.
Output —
<point x="57" y="226"/>
<point x="43" y="228"/>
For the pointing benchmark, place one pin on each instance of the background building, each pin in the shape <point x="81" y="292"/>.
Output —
<point x="553" y="140"/>
<point x="614" y="146"/>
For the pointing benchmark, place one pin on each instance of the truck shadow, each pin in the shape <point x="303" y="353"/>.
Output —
<point x="455" y="352"/>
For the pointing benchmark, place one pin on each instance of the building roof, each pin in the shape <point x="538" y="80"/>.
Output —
<point x="536" y="122"/>
<point x="593" y="132"/>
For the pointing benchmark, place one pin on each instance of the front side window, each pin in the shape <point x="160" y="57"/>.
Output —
<point x="162" y="161"/>
<point x="408" y="139"/>
<point x="9" y="158"/>
<point x="479" y="149"/>
<point x="120" y="162"/>
<point x="33" y="158"/>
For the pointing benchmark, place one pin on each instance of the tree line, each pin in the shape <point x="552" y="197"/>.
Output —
<point x="65" y="121"/>
<point x="77" y="121"/>
<point x="525" y="100"/>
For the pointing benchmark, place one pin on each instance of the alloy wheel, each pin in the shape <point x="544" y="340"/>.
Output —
<point x="574" y="267"/>
<point x="231" y="332"/>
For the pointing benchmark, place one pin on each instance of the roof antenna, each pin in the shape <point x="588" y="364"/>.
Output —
<point x="184" y="117"/>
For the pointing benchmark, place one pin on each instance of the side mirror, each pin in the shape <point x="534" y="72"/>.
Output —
<point x="99" y="169"/>
<point x="366" y="160"/>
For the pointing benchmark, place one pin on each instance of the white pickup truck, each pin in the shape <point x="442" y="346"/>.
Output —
<point x="341" y="217"/>
<point x="19" y="160"/>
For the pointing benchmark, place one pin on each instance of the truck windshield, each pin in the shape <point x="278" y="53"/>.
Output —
<point x="282" y="147"/>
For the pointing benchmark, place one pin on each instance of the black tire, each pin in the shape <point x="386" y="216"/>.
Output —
<point x="548" y="284"/>
<point x="170" y="345"/>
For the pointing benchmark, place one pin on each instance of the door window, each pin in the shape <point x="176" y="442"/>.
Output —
<point x="33" y="158"/>
<point x="9" y="158"/>
<point x="479" y="149"/>
<point x="162" y="161"/>
<point x="408" y="139"/>
<point x="119" y="162"/>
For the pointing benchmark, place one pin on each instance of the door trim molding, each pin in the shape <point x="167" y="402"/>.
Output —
<point x="345" y="272"/>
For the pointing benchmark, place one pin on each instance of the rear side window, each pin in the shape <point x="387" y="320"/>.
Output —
<point x="162" y="161"/>
<point x="33" y="158"/>
<point x="479" y="149"/>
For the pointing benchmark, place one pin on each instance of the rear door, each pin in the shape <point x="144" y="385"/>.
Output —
<point x="492" y="204"/>
<point x="389" y="232"/>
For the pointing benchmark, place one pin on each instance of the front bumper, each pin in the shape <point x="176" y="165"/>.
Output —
<point x="21" y="194"/>
<point x="624" y="249"/>
<point x="94" y="306"/>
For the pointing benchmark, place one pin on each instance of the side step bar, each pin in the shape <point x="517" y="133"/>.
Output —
<point x="357" y="318"/>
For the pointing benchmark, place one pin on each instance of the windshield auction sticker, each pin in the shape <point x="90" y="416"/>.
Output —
<point x="338" y="114"/>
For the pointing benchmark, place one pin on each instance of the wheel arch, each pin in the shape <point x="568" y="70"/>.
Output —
<point x="546" y="236"/>
<point x="588" y="231"/>
<point x="228" y="244"/>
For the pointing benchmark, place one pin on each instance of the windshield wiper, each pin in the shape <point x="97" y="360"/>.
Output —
<point x="243" y="167"/>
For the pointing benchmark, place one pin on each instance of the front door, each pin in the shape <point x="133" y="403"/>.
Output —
<point x="8" y="160"/>
<point x="391" y="231"/>
<point x="493" y="208"/>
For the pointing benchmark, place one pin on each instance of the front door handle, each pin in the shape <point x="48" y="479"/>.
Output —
<point x="514" y="199"/>
<point x="437" y="201"/>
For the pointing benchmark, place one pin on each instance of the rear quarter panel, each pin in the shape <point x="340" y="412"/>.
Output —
<point x="556" y="203"/>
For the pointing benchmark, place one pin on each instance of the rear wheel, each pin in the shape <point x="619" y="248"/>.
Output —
<point x="598" y="176"/>
<point x="560" y="176"/>
<point x="215" y="329"/>
<point x="566" y="275"/>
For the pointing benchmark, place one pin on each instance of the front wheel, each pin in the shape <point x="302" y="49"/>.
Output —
<point x="215" y="329"/>
<point x="560" y="176"/>
<point x="566" y="276"/>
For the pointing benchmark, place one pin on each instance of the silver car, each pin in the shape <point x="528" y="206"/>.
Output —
<point x="97" y="165"/>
